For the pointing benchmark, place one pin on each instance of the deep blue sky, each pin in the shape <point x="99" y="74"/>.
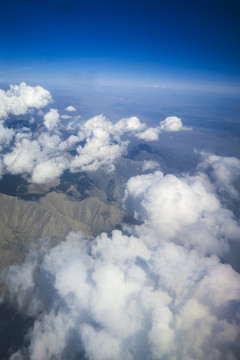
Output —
<point x="143" y="40"/>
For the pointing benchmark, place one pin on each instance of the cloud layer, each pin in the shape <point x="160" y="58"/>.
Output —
<point x="158" y="290"/>
<point x="97" y="142"/>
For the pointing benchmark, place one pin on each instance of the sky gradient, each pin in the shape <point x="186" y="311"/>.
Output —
<point x="111" y="40"/>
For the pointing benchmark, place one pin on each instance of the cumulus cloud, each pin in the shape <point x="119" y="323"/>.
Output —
<point x="170" y="124"/>
<point x="70" y="108"/>
<point x="66" y="117"/>
<point x="103" y="144"/>
<point x="116" y="298"/>
<point x="129" y="124"/>
<point x="49" y="170"/>
<point x="224" y="171"/>
<point x="6" y="135"/>
<point x="184" y="210"/>
<point x="151" y="134"/>
<point x="100" y="148"/>
<point x="20" y="98"/>
<point x="51" y="119"/>
<point x="42" y="158"/>
<point x="148" y="165"/>
<point x="97" y="142"/>
<point x="23" y="157"/>
<point x="156" y="290"/>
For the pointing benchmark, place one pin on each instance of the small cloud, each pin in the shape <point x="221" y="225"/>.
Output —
<point x="70" y="108"/>
<point x="172" y="123"/>
<point x="66" y="117"/>
<point x="149" y="165"/>
<point x="151" y="134"/>
<point x="51" y="119"/>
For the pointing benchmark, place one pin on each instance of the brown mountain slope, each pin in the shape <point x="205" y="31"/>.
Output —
<point x="54" y="215"/>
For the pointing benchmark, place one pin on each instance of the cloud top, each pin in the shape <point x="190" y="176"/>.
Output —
<point x="51" y="119"/>
<point x="70" y="108"/>
<point x="170" y="124"/>
<point x="20" y="98"/>
<point x="121" y="299"/>
<point x="158" y="289"/>
<point x="97" y="142"/>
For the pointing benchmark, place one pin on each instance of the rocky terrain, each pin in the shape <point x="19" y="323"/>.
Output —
<point x="53" y="214"/>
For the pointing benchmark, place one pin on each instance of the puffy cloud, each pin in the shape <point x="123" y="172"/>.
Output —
<point x="23" y="157"/>
<point x="66" y="117"/>
<point x="103" y="144"/>
<point x="42" y="158"/>
<point x="224" y="171"/>
<point x="157" y="291"/>
<point x="6" y="135"/>
<point x="74" y="124"/>
<point x="70" y="108"/>
<point x="151" y="134"/>
<point x="49" y="170"/>
<point x="170" y="124"/>
<point x="149" y="165"/>
<point x="98" y="142"/>
<point x="184" y="210"/>
<point x="114" y="298"/>
<point x="51" y="119"/>
<point x="20" y="98"/>
<point x="132" y="124"/>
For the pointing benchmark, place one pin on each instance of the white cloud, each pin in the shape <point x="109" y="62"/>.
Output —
<point x="157" y="291"/>
<point x="98" y="142"/>
<point x="171" y="123"/>
<point x="160" y="293"/>
<point x="74" y="124"/>
<point x="6" y="135"/>
<point x="23" y="157"/>
<point x="51" y="119"/>
<point x="42" y="158"/>
<point x="225" y="172"/>
<point x="184" y="210"/>
<point x="20" y="98"/>
<point x="149" y="165"/>
<point x="151" y="134"/>
<point x="131" y="124"/>
<point x="121" y="299"/>
<point x="102" y="144"/>
<point x="66" y="117"/>
<point x="70" y="108"/>
<point x="49" y="170"/>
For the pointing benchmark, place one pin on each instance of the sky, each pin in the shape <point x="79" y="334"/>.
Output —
<point x="96" y="82"/>
<point x="120" y="41"/>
